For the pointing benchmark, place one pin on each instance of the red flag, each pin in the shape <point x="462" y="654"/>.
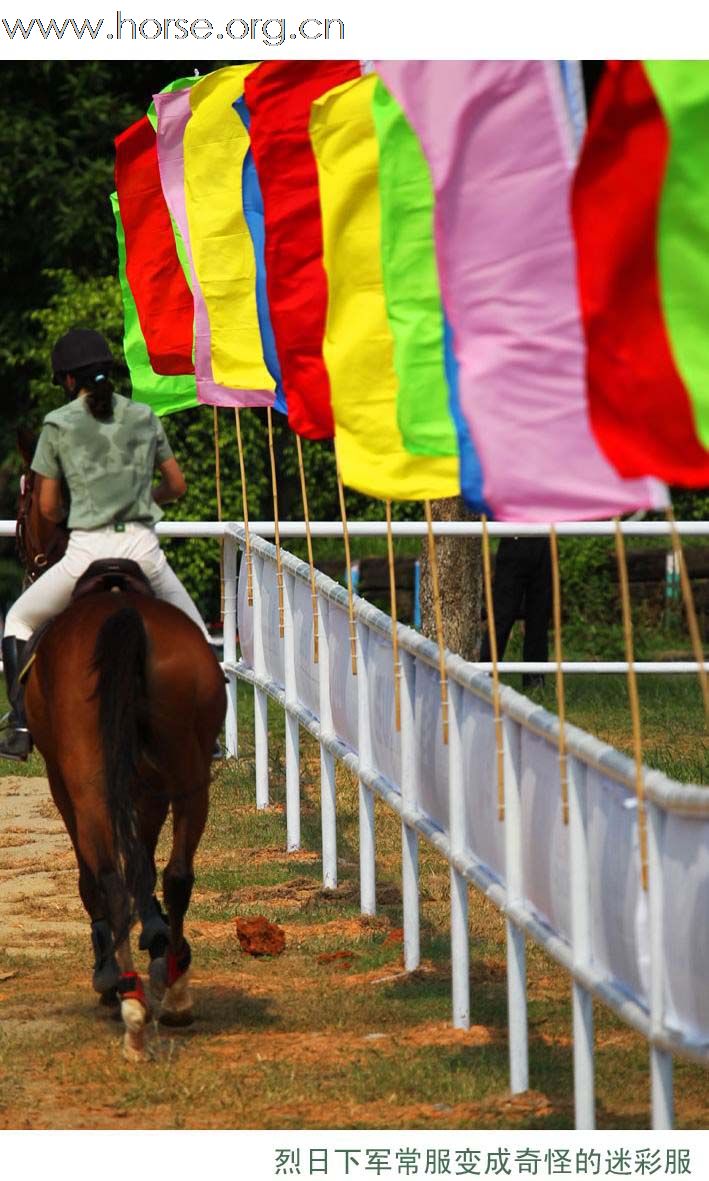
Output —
<point x="155" y="275"/>
<point x="279" y="96"/>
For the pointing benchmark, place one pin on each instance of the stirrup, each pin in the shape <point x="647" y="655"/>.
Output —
<point x="17" y="745"/>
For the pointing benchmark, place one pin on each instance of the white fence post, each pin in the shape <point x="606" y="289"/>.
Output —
<point x="260" y="695"/>
<point x="598" y="979"/>
<point x="516" y="952"/>
<point x="582" y="1001"/>
<point x="367" y="852"/>
<point x="409" y="796"/>
<point x="460" y="943"/>
<point x="328" y="806"/>
<point x="660" y="1060"/>
<point x="292" y="727"/>
<point x="231" y="728"/>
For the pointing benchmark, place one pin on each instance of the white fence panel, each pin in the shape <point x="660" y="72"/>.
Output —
<point x="619" y="929"/>
<point x="343" y="683"/>
<point x="431" y="754"/>
<point x="686" y="924"/>
<point x="645" y="955"/>
<point x="547" y="874"/>
<point x="486" y="834"/>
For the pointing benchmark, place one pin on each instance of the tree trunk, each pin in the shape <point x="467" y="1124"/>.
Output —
<point x="459" y="580"/>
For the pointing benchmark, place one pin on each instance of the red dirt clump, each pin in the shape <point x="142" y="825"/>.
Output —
<point x="340" y="959"/>
<point x="259" y="937"/>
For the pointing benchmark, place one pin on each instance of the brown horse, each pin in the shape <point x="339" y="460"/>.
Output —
<point x="125" y="701"/>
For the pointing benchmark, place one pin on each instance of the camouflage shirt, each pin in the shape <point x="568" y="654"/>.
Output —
<point x="108" y="466"/>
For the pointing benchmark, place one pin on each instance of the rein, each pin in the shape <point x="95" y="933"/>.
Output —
<point x="32" y="555"/>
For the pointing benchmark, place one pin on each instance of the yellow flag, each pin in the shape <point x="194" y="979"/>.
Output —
<point x="359" y="346"/>
<point x="215" y="144"/>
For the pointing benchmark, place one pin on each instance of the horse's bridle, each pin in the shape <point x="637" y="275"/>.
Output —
<point x="34" y="559"/>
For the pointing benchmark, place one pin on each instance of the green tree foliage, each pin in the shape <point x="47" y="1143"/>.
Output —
<point x="59" y="120"/>
<point x="96" y="301"/>
<point x="59" y="263"/>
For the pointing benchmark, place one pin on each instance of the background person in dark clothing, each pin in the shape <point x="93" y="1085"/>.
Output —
<point x="522" y="589"/>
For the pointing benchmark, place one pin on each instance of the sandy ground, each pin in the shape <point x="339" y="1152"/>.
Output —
<point x="39" y="902"/>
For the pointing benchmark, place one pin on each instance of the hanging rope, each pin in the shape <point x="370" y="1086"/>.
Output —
<point x="394" y="623"/>
<point x="690" y="609"/>
<point x="560" y="694"/>
<point x="218" y="482"/>
<point x="348" y="564"/>
<point x="438" y="614"/>
<point x="279" y="568"/>
<point x="499" y="737"/>
<point x="634" y="701"/>
<point x="245" y="504"/>
<point x="308" y="537"/>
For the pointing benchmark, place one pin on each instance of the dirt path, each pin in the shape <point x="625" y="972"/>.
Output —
<point x="39" y="904"/>
<point x="330" y="1033"/>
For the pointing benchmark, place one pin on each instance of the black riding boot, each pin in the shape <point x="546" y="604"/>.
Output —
<point x="17" y="742"/>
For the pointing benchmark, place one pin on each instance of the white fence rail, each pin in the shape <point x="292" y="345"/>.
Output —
<point x="575" y="890"/>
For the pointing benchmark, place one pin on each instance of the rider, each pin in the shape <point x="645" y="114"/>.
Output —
<point x="106" y="448"/>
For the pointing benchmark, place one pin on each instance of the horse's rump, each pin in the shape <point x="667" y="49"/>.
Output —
<point x="91" y="653"/>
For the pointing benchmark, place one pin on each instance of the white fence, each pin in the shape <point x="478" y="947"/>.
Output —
<point x="574" y="889"/>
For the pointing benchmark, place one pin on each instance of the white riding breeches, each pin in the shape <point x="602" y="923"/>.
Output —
<point x="52" y="592"/>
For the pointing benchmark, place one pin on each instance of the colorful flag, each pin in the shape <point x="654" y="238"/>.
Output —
<point x="164" y="394"/>
<point x="496" y="137"/>
<point x="214" y="146"/>
<point x="358" y="345"/>
<point x="253" y="211"/>
<point x="411" y="287"/>
<point x="173" y="111"/>
<point x="279" y="96"/>
<point x="178" y="84"/>
<point x="428" y="398"/>
<point x="641" y="215"/>
<point x="157" y="281"/>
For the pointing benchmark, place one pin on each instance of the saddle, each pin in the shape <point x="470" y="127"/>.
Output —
<point x="107" y="574"/>
<point x="112" y="574"/>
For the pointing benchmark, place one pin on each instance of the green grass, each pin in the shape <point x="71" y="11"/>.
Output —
<point x="301" y="1041"/>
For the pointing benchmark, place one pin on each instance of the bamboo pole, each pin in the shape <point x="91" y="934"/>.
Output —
<point x="438" y="614"/>
<point x="690" y="610"/>
<point x="245" y="505"/>
<point x="499" y="737"/>
<point x="309" y="540"/>
<point x="348" y="564"/>
<point x="394" y="621"/>
<point x="277" y="531"/>
<point x="560" y="694"/>
<point x="634" y="702"/>
<point x="218" y="482"/>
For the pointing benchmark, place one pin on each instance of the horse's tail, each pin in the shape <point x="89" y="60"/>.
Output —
<point x="120" y="659"/>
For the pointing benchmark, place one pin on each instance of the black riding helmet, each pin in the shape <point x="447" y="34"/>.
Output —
<point x="79" y="349"/>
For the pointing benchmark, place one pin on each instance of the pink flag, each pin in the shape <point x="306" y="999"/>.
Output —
<point x="495" y="135"/>
<point x="173" y="111"/>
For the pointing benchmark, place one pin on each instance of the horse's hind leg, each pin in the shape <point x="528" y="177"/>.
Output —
<point x="134" y="1005"/>
<point x="95" y="847"/>
<point x="190" y="817"/>
<point x="155" y="931"/>
<point x="105" y="971"/>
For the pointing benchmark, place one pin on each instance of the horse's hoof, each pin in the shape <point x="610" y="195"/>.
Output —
<point x="105" y="978"/>
<point x="176" y="1020"/>
<point x="157" y="980"/>
<point x="134" y="1052"/>
<point x="177" y="1005"/>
